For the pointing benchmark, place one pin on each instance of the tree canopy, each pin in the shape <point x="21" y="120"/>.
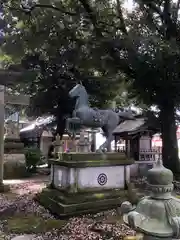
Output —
<point x="62" y="50"/>
<point x="97" y="41"/>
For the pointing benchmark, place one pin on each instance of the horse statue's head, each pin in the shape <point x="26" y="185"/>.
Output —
<point x="78" y="91"/>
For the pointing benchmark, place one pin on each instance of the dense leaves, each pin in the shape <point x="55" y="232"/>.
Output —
<point x="59" y="45"/>
<point x="100" y="44"/>
<point x="146" y="49"/>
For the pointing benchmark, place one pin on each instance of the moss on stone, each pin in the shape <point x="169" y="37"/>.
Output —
<point x="92" y="156"/>
<point x="81" y="197"/>
<point x="92" y="160"/>
<point x="75" y="204"/>
<point x="91" y="163"/>
<point x="32" y="224"/>
<point x="99" y="195"/>
<point x="138" y="236"/>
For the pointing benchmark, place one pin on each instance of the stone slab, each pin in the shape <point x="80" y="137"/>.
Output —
<point x="92" y="163"/>
<point x="93" y="156"/>
<point x="63" y="208"/>
<point x="24" y="237"/>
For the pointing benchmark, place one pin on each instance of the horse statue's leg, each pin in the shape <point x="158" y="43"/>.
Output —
<point x="68" y="128"/>
<point x="109" y="140"/>
<point x="107" y="144"/>
<point x="72" y="125"/>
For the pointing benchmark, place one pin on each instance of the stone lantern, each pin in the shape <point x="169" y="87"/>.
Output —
<point x="157" y="215"/>
<point x="58" y="147"/>
<point x="83" y="144"/>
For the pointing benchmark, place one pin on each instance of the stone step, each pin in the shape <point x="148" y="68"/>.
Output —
<point x="24" y="237"/>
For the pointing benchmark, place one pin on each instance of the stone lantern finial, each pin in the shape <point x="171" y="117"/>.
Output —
<point x="156" y="215"/>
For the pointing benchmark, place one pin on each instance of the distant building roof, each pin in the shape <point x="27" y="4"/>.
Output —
<point x="130" y="127"/>
<point x="35" y="128"/>
<point x="39" y="122"/>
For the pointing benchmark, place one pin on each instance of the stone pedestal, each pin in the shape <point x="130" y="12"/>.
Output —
<point x="83" y="183"/>
<point x="157" y="215"/>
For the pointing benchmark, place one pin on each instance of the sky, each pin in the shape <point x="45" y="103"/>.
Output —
<point x="128" y="4"/>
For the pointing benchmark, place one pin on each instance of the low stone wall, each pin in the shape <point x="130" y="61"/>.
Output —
<point x="14" y="166"/>
<point x="13" y="146"/>
<point x="14" y="159"/>
<point x="140" y="168"/>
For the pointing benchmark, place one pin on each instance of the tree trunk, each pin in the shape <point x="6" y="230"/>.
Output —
<point x="169" y="138"/>
<point x="61" y="125"/>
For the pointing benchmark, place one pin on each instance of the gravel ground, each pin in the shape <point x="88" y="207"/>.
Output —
<point x="91" y="226"/>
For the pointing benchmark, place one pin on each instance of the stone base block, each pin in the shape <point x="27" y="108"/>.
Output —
<point x="4" y="188"/>
<point x="66" y="204"/>
<point x="14" y="169"/>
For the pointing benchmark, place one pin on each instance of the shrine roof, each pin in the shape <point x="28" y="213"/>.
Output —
<point x="35" y="128"/>
<point x="39" y="122"/>
<point x="10" y="77"/>
<point x="130" y="127"/>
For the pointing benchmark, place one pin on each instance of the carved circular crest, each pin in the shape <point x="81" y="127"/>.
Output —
<point x="102" y="179"/>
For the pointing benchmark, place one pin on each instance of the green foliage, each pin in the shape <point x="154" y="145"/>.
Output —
<point x="61" y="49"/>
<point x="65" y="43"/>
<point x="95" y="42"/>
<point x="33" y="157"/>
<point x="54" y="42"/>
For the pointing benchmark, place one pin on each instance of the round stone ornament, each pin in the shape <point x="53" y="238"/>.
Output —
<point x="102" y="179"/>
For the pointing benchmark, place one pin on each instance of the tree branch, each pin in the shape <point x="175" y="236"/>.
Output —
<point x="55" y="8"/>
<point x="170" y="26"/>
<point x="47" y="6"/>
<point x="176" y="11"/>
<point x="120" y="15"/>
<point x="166" y="12"/>
<point x="152" y="22"/>
<point x="113" y="51"/>
<point x="92" y="17"/>
<point x="156" y="9"/>
<point x="165" y="16"/>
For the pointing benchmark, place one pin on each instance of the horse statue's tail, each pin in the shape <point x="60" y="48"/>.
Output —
<point x="126" y="115"/>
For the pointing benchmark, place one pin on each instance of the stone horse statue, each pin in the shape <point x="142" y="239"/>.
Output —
<point x="84" y="115"/>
